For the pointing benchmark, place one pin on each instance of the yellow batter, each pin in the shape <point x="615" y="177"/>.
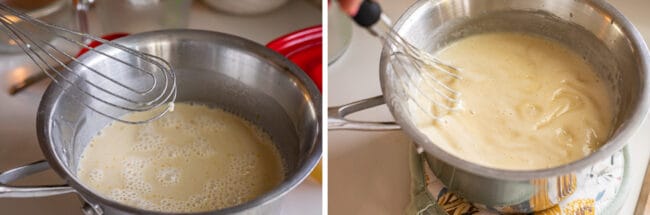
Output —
<point x="527" y="103"/>
<point x="193" y="159"/>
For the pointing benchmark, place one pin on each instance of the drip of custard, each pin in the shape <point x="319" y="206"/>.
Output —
<point x="193" y="159"/>
<point x="527" y="103"/>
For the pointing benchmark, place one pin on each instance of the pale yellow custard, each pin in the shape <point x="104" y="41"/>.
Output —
<point x="193" y="159"/>
<point x="527" y="103"/>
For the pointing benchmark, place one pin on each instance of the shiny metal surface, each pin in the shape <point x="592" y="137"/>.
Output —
<point x="7" y="191"/>
<point x="337" y="121"/>
<point x="96" y="87"/>
<point x="428" y="77"/>
<point x="594" y="29"/>
<point x="212" y="68"/>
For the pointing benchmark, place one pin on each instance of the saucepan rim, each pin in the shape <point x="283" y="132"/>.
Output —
<point x="46" y="142"/>
<point x="615" y="143"/>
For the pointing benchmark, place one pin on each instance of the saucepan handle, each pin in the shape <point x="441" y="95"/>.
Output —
<point x="337" y="120"/>
<point x="8" y="191"/>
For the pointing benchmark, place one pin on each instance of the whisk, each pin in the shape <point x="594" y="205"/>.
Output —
<point x="146" y="82"/>
<point x="428" y="78"/>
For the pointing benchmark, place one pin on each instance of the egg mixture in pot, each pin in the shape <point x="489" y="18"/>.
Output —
<point x="193" y="159"/>
<point x="527" y="103"/>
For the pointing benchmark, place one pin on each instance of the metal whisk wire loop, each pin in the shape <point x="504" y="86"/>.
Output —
<point x="126" y="80"/>
<point x="426" y="79"/>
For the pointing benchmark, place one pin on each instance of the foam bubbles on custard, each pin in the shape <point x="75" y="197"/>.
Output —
<point x="168" y="176"/>
<point x="244" y="163"/>
<point x="193" y="159"/>
<point x="122" y="195"/>
<point x="210" y="124"/>
<point x="170" y="121"/>
<point x="202" y="148"/>
<point x="96" y="176"/>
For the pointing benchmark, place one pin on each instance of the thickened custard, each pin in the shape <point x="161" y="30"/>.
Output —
<point x="193" y="159"/>
<point x="527" y="103"/>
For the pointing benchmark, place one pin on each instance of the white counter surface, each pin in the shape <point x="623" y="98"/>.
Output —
<point x="368" y="171"/>
<point x="18" y="144"/>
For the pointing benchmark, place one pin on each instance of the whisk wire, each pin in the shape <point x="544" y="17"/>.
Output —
<point x="447" y="104"/>
<point x="21" y="41"/>
<point x="447" y="96"/>
<point x="42" y="52"/>
<point x="421" y="74"/>
<point x="49" y="29"/>
<point x="408" y="94"/>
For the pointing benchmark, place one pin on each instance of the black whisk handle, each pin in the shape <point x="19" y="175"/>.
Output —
<point x="368" y="14"/>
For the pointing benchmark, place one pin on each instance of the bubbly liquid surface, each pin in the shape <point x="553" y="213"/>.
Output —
<point x="193" y="159"/>
<point x="527" y="103"/>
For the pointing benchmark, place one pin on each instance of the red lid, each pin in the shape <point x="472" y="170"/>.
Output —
<point x="305" y="49"/>
<point x="96" y="43"/>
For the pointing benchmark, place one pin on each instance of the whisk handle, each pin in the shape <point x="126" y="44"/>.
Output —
<point x="8" y="191"/>
<point x="368" y="14"/>
<point x="337" y="120"/>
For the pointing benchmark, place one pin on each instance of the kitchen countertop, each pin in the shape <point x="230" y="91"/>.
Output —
<point x="368" y="171"/>
<point x="18" y="145"/>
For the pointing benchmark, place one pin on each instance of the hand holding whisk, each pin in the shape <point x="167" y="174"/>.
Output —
<point x="117" y="81"/>
<point x="428" y="79"/>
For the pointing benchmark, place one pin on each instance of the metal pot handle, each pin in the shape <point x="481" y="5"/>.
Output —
<point x="8" y="191"/>
<point x="337" y="120"/>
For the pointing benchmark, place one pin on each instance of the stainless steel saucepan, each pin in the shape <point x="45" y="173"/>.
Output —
<point x="594" y="29"/>
<point x="216" y="69"/>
